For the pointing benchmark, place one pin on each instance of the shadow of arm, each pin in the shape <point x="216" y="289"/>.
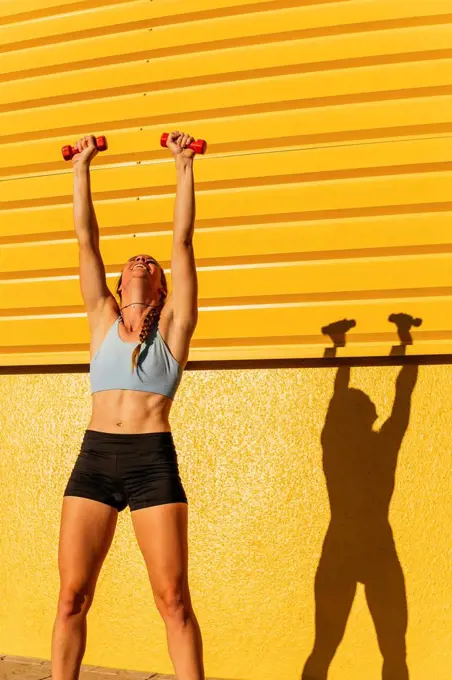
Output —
<point x="394" y="428"/>
<point x="341" y="381"/>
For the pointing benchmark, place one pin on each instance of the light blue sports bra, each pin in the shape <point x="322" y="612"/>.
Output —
<point x="157" y="369"/>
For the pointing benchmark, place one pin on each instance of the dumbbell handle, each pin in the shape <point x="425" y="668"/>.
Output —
<point x="200" y="146"/>
<point x="70" y="151"/>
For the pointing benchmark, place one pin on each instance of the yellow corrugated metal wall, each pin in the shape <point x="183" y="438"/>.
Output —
<point x="325" y="192"/>
<point x="324" y="195"/>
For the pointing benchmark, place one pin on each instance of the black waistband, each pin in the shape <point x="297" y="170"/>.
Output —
<point x="96" y="434"/>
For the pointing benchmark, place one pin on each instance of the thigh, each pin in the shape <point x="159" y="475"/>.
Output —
<point x="161" y="532"/>
<point x="86" y="531"/>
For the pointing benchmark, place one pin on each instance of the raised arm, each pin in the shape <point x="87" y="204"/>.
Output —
<point x="184" y="294"/>
<point x="93" y="283"/>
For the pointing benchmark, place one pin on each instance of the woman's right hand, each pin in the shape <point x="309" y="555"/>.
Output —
<point x="87" y="150"/>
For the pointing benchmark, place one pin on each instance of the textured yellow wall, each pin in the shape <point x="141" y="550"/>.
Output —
<point x="325" y="193"/>
<point x="251" y="460"/>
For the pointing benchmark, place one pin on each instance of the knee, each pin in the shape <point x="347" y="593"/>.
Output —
<point x="393" y="646"/>
<point x="74" y="601"/>
<point x="173" y="604"/>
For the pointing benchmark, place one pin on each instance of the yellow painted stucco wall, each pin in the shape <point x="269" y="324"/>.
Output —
<point x="250" y="456"/>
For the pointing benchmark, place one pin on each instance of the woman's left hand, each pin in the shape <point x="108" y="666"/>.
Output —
<point x="177" y="141"/>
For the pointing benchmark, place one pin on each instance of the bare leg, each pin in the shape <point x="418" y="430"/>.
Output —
<point x="184" y="637"/>
<point x="86" y="532"/>
<point x="69" y="638"/>
<point x="161" y="532"/>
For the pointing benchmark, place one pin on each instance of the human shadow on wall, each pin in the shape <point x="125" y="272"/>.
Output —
<point x="359" y="465"/>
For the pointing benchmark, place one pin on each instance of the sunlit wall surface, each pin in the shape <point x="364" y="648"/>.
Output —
<point x="266" y="459"/>
<point x="325" y="192"/>
<point x="323" y="228"/>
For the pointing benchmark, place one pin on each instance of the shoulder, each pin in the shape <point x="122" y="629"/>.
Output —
<point x="176" y="336"/>
<point x="100" y="320"/>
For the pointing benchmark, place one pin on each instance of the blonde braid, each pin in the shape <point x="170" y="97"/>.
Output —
<point x="149" y="321"/>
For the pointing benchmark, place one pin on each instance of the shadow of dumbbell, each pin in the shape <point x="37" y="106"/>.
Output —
<point x="336" y="331"/>
<point x="404" y="323"/>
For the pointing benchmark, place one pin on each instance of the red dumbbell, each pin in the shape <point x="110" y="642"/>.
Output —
<point x="70" y="151"/>
<point x="200" y="146"/>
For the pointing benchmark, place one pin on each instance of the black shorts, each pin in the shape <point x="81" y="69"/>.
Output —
<point x="139" y="470"/>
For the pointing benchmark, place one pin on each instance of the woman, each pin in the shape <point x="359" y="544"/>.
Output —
<point x="138" y="352"/>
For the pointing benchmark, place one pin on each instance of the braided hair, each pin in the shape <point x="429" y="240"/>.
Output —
<point x="151" y="319"/>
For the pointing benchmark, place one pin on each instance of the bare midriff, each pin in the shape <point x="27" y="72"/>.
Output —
<point x="130" y="412"/>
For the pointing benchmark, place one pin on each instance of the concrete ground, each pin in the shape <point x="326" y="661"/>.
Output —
<point x="26" y="668"/>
